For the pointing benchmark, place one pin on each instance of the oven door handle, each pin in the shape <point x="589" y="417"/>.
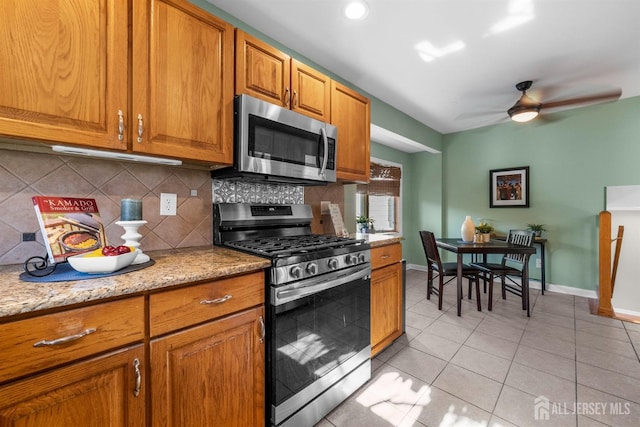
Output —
<point x="317" y="284"/>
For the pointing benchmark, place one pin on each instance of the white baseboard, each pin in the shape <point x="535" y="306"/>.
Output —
<point x="535" y="284"/>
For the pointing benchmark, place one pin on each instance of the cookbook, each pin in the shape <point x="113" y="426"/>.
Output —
<point x="70" y="226"/>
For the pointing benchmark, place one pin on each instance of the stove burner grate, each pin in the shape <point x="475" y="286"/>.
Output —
<point x="277" y="246"/>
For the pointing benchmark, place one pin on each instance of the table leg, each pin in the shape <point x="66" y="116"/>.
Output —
<point x="459" y="283"/>
<point x="525" y="286"/>
<point x="542" y="275"/>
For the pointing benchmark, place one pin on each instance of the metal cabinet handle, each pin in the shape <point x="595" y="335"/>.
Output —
<point x="217" y="300"/>
<point x="136" y="371"/>
<point x="286" y="98"/>
<point x="140" y="127"/>
<point x="64" y="340"/>
<point x="120" y="125"/>
<point x="294" y="101"/>
<point x="263" y="330"/>
<point x="385" y="256"/>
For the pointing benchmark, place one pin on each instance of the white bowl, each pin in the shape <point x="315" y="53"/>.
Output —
<point x="101" y="264"/>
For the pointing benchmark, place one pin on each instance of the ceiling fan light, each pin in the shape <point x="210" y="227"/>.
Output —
<point x="521" y="113"/>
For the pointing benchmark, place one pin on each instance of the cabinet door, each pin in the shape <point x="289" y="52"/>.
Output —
<point x="350" y="112"/>
<point x="262" y="71"/>
<point x="311" y="94"/>
<point x="102" y="391"/>
<point x="210" y="375"/>
<point x="386" y="306"/>
<point x="182" y="82"/>
<point x="64" y="70"/>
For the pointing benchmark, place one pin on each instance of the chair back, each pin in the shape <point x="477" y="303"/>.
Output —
<point x="431" y="249"/>
<point x="522" y="238"/>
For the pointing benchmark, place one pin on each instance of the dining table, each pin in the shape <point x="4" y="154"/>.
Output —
<point x="494" y="246"/>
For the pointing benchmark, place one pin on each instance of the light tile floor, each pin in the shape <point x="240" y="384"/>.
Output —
<point x="490" y="368"/>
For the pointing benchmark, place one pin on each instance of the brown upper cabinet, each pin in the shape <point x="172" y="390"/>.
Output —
<point x="66" y="68"/>
<point x="351" y="113"/>
<point x="266" y="73"/>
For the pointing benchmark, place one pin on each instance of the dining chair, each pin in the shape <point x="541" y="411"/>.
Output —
<point x="509" y="270"/>
<point x="437" y="269"/>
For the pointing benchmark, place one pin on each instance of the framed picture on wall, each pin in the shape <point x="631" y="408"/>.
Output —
<point x="509" y="188"/>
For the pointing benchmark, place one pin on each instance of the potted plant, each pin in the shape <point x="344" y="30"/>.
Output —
<point x="537" y="229"/>
<point x="363" y="223"/>
<point x="485" y="230"/>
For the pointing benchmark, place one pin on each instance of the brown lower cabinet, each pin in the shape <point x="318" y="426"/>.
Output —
<point x="386" y="296"/>
<point x="99" y="391"/>
<point x="89" y="365"/>
<point x="210" y="375"/>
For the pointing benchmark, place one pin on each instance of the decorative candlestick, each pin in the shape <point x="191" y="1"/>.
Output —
<point x="131" y="238"/>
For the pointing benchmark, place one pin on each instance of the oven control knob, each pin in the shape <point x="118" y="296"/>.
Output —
<point x="312" y="268"/>
<point x="296" y="272"/>
<point x="351" y="259"/>
<point x="333" y="264"/>
<point x="361" y="258"/>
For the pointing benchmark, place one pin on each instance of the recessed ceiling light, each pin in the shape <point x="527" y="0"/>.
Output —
<point x="356" y="10"/>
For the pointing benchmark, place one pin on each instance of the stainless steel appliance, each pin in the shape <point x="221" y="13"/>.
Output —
<point x="318" y="308"/>
<point x="275" y="144"/>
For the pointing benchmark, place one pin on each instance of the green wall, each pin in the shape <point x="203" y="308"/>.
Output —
<point x="572" y="159"/>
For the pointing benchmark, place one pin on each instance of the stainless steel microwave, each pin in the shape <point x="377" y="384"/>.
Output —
<point x="275" y="144"/>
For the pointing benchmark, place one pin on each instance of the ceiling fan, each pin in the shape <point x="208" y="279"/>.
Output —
<point x="526" y="108"/>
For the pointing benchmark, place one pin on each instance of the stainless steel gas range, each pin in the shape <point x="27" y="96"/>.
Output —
<point x="318" y="308"/>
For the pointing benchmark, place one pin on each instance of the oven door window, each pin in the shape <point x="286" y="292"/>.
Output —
<point x="271" y="140"/>
<point x="316" y="334"/>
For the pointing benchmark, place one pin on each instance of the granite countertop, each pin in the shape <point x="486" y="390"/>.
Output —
<point x="376" y="240"/>
<point x="171" y="268"/>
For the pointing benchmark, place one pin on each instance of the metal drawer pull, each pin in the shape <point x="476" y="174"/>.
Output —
<point x="385" y="256"/>
<point x="217" y="300"/>
<point x="262" y="329"/>
<point x="136" y="370"/>
<point x="64" y="340"/>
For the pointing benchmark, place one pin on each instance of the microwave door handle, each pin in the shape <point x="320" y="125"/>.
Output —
<point x="323" y="133"/>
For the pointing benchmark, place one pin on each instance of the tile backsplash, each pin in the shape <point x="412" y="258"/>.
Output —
<point x="229" y="191"/>
<point x="25" y="174"/>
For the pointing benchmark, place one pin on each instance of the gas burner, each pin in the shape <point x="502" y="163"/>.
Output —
<point x="292" y="245"/>
<point x="283" y="234"/>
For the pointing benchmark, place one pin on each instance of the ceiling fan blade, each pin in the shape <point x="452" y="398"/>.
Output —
<point x="600" y="97"/>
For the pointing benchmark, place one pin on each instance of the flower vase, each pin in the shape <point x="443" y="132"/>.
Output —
<point x="467" y="230"/>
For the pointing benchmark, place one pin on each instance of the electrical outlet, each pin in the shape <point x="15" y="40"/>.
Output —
<point x="168" y="203"/>
<point x="538" y="263"/>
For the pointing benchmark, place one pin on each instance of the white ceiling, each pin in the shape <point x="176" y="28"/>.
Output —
<point x="568" y="48"/>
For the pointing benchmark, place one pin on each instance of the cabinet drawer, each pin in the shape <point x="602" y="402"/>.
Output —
<point x="176" y="309"/>
<point x="42" y="342"/>
<point x="386" y="255"/>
